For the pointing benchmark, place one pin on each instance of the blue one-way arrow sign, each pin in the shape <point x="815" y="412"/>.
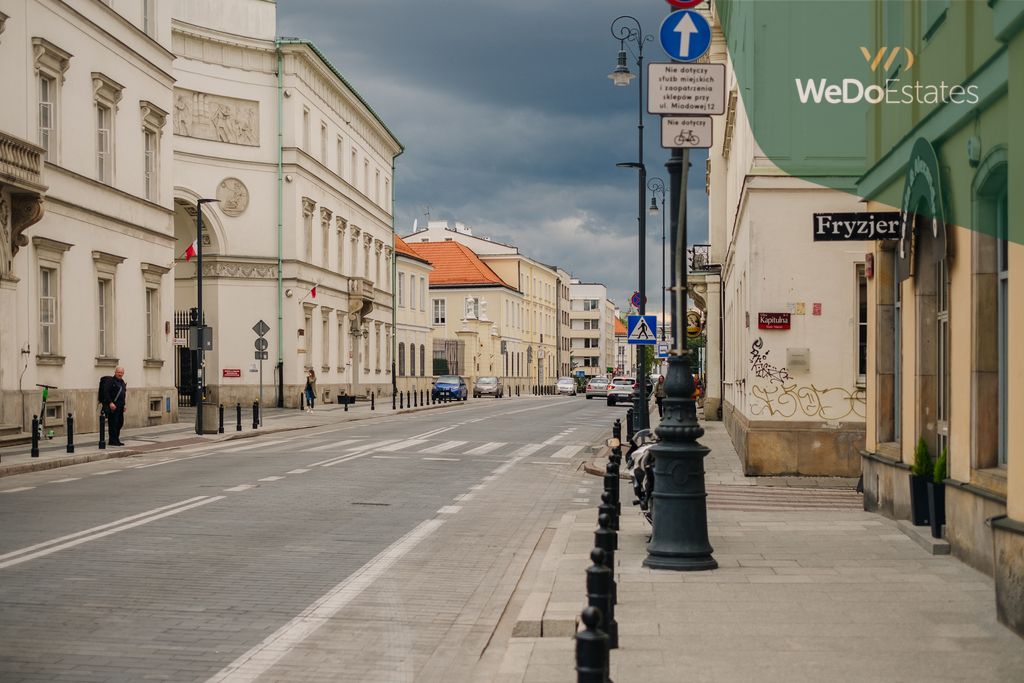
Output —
<point x="685" y="35"/>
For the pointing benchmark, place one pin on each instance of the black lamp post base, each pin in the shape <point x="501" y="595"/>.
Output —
<point x="681" y="564"/>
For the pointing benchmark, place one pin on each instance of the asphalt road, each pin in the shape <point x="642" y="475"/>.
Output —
<point x="384" y="549"/>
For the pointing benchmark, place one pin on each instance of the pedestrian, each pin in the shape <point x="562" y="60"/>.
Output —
<point x="112" y="400"/>
<point x="659" y="395"/>
<point x="310" y="390"/>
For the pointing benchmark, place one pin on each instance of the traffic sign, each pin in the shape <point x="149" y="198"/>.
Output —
<point x="261" y="328"/>
<point x="685" y="35"/>
<point x="684" y="4"/>
<point x="261" y="344"/>
<point x="685" y="89"/>
<point x="635" y="299"/>
<point x="686" y="131"/>
<point x="261" y="355"/>
<point x="641" y="329"/>
<point x="662" y="349"/>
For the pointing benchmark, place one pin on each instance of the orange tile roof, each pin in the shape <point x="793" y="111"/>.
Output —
<point x="456" y="265"/>
<point x="402" y="247"/>
<point x="620" y="328"/>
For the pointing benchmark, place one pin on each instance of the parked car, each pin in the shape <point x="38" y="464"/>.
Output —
<point x="488" y="386"/>
<point x="597" y="386"/>
<point x="621" y="389"/>
<point x="455" y="385"/>
<point x="565" y="385"/>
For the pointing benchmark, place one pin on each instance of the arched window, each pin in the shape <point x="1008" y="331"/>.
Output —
<point x="401" y="359"/>
<point x="412" y="360"/>
<point x="423" y="360"/>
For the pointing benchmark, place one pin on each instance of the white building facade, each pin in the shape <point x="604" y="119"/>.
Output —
<point x="592" y="328"/>
<point x="86" y="231"/>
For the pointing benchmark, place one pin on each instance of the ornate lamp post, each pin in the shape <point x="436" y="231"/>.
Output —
<point x="679" y="536"/>
<point x="657" y="186"/>
<point x="627" y="29"/>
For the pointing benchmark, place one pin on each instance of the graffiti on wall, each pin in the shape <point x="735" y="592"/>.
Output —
<point x="787" y="400"/>
<point x="760" y="366"/>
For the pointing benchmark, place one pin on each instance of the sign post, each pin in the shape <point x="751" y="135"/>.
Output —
<point x="261" y="329"/>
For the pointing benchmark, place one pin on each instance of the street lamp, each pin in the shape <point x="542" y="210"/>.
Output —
<point x="657" y="185"/>
<point x="202" y="331"/>
<point x="627" y="29"/>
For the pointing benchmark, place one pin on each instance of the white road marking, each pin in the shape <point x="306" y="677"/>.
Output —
<point x="567" y="451"/>
<point x="261" y="658"/>
<point x="354" y="453"/>
<point x="478" y="487"/>
<point x="464" y="497"/>
<point x="449" y="509"/>
<point x="556" y="464"/>
<point x="23" y="488"/>
<point x="270" y="479"/>
<point x="490" y="477"/>
<point x="298" y="471"/>
<point x="242" y="487"/>
<point x="442" y="459"/>
<point x="176" y="508"/>
<point x="442" y="447"/>
<point x="581" y="500"/>
<point x="64" y="481"/>
<point x="100" y="474"/>
<point x="402" y="445"/>
<point x="249" y="447"/>
<point x="486" y="448"/>
<point x="528" y="449"/>
<point x="328" y="446"/>
<point x="390" y="457"/>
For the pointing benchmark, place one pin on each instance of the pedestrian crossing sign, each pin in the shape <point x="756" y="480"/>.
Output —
<point x="642" y="329"/>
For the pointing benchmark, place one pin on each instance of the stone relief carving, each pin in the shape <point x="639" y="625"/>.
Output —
<point x="215" y="117"/>
<point x="26" y="210"/>
<point x="254" y="271"/>
<point x="233" y="196"/>
<point x="325" y="216"/>
<point x="308" y="205"/>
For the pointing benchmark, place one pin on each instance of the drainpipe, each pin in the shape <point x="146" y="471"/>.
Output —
<point x="280" y="222"/>
<point x="394" y="282"/>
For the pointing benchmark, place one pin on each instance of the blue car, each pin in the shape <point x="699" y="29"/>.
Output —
<point x="453" y="385"/>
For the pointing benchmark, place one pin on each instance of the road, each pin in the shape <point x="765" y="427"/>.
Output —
<point x="385" y="549"/>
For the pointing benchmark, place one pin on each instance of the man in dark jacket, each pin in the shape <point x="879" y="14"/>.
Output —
<point x="112" y="395"/>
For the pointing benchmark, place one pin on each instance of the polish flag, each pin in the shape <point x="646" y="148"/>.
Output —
<point x="192" y="250"/>
<point x="312" y="292"/>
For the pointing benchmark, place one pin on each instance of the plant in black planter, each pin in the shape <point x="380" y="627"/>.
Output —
<point x="922" y="472"/>
<point x="937" y="495"/>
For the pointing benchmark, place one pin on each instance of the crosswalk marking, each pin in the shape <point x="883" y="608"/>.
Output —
<point x="528" y="449"/>
<point x="23" y="488"/>
<point x="486" y="448"/>
<point x="298" y="471"/>
<point x="328" y="446"/>
<point x="403" y="445"/>
<point x="249" y="447"/>
<point x="443" y="459"/>
<point x="442" y="447"/>
<point x="567" y="451"/>
<point x="242" y="487"/>
<point x="271" y="478"/>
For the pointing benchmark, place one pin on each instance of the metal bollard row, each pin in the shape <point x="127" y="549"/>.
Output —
<point x="592" y="649"/>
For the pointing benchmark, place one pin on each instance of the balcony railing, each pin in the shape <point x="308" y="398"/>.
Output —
<point x="21" y="162"/>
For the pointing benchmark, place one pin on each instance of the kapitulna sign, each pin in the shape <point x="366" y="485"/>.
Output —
<point x="854" y="227"/>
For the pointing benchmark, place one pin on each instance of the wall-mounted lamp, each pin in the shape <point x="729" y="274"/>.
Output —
<point x="288" y="178"/>
<point x="287" y="93"/>
<point x="288" y="293"/>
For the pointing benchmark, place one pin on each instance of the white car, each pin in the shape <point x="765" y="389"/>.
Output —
<point x="566" y="385"/>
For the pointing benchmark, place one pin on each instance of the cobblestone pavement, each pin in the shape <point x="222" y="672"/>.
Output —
<point x="385" y="549"/>
<point x="809" y="587"/>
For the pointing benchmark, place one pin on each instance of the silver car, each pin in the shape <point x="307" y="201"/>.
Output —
<point x="566" y="385"/>
<point x="488" y="386"/>
<point x="597" y="386"/>
<point x="621" y="389"/>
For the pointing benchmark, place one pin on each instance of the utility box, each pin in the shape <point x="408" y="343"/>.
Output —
<point x="200" y="338"/>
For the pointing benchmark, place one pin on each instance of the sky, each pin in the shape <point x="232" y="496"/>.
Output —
<point x="510" y="123"/>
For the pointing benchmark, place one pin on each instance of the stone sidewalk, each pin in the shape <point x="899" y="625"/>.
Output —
<point x="17" y="459"/>
<point x="809" y="587"/>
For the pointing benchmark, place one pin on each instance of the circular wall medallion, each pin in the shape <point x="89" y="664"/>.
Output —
<point x="233" y="196"/>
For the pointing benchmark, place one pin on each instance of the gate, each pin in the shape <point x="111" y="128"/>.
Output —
<point x="184" y="361"/>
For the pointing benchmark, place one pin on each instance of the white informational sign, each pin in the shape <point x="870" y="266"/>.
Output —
<point x="686" y="89"/>
<point x="686" y="131"/>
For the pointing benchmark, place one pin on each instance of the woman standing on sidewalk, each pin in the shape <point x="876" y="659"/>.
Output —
<point x="310" y="390"/>
<point x="659" y="395"/>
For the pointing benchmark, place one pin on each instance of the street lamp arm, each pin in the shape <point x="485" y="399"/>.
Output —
<point x="627" y="29"/>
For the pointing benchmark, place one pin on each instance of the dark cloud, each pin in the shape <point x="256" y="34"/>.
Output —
<point x="509" y="121"/>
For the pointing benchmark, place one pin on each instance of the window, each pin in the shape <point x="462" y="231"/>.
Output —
<point x="152" y="315"/>
<point x="308" y="205"/>
<point x="325" y="237"/>
<point x="423" y="360"/>
<point x="104" y="296"/>
<point x="412" y="360"/>
<point x="591" y="343"/>
<point x="48" y="300"/>
<point x="473" y="307"/>
<point x="323" y="143"/>
<point x="401" y="290"/>
<point x="103" y="144"/>
<point x="376" y="187"/>
<point x="47" y="114"/>
<point x="366" y="177"/>
<point x="590" y="304"/>
<point x="352" y="167"/>
<point x="862" y="326"/>
<point x="386" y="200"/>
<point x="149" y="170"/>
<point x="401" y="359"/>
<point x="325" y="336"/>
<point x="342" y="358"/>
<point x="412" y="291"/>
<point x="439" y="312"/>
<point x="423" y="293"/>
<point x="340" y="145"/>
<point x="341" y="225"/>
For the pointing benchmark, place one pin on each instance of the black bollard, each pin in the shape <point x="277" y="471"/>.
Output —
<point x="606" y="540"/>
<point x="71" y="433"/>
<point x="35" y="436"/>
<point x="394" y="400"/>
<point x="630" y="430"/>
<point x="255" y="414"/>
<point x="607" y="508"/>
<point x="423" y="398"/>
<point x="401" y="400"/>
<point x="220" y="419"/>
<point x="611" y="487"/>
<point x="302" y="401"/>
<point x="591" y="649"/>
<point x="238" y="417"/>
<point x="599" y="595"/>
<point x="373" y="401"/>
<point x="415" y="399"/>
<point x="346" y="403"/>
<point x="103" y="428"/>
<point x="517" y="391"/>
<point x="408" y="399"/>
